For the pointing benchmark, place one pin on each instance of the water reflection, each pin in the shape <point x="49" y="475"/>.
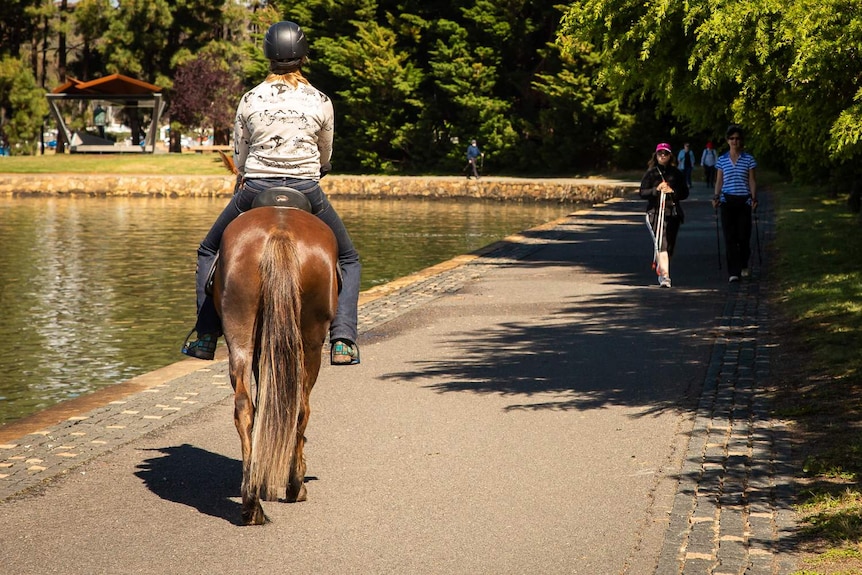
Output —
<point x="94" y="291"/>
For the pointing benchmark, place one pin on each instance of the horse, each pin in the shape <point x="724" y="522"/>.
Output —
<point x="275" y="289"/>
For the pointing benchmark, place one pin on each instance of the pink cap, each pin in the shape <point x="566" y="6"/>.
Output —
<point x="663" y="147"/>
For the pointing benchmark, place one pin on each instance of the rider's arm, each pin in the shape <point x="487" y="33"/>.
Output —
<point x="241" y="139"/>
<point x="326" y="135"/>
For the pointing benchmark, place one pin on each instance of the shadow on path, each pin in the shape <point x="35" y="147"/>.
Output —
<point x="195" y="477"/>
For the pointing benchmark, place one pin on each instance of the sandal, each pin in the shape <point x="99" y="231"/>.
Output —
<point x="343" y="352"/>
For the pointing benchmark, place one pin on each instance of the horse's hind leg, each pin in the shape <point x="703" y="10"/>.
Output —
<point x="243" y="416"/>
<point x="296" y="490"/>
<point x="296" y="482"/>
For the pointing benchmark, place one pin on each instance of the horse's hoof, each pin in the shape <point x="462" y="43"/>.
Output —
<point x="301" y="496"/>
<point x="254" y="516"/>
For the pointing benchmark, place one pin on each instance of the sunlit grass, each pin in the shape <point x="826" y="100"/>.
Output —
<point x="147" y="164"/>
<point x="819" y="278"/>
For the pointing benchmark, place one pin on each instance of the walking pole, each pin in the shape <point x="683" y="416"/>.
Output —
<point x="657" y="237"/>
<point x="757" y="239"/>
<point x="659" y="224"/>
<point x="717" y="239"/>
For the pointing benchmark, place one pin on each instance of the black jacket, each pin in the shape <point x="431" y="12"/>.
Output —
<point x="652" y="178"/>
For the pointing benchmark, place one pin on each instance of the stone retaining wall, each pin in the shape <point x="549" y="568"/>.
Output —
<point x="519" y="189"/>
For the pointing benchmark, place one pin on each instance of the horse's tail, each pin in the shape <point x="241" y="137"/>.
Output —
<point x="282" y="369"/>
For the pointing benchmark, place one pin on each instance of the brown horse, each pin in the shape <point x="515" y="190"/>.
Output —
<point x="276" y="291"/>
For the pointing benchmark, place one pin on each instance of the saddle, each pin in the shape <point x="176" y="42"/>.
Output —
<point x="282" y="197"/>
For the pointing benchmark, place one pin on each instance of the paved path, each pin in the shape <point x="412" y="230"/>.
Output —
<point x="540" y="408"/>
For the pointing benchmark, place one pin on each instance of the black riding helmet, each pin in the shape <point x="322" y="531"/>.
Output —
<point x="285" y="43"/>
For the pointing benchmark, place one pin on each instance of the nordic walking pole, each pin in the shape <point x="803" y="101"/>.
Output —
<point x="717" y="239"/>
<point x="659" y="224"/>
<point x="757" y="239"/>
<point x="659" y="233"/>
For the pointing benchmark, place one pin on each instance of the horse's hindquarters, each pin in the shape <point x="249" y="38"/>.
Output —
<point x="276" y="293"/>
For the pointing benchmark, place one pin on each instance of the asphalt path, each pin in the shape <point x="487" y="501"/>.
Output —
<point x="527" y="410"/>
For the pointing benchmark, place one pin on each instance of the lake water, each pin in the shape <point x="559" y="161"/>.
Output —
<point x="94" y="291"/>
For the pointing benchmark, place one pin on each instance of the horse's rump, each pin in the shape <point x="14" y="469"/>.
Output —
<point x="276" y="292"/>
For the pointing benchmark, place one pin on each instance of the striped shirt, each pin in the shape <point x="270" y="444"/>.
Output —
<point x="735" y="176"/>
<point x="281" y="131"/>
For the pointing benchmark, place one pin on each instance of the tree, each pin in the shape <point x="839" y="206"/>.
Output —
<point x="379" y="92"/>
<point x="204" y="96"/>
<point x="91" y="20"/>
<point x="18" y="25"/>
<point x="27" y="105"/>
<point x="790" y="73"/>
<point x="136" y="37"/>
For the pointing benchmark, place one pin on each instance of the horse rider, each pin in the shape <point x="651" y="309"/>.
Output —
<point x="283" y="135"/>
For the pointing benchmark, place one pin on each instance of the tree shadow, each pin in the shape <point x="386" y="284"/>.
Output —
<point x="628" y="343"/>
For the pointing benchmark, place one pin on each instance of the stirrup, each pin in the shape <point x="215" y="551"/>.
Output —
<point x="343" y="352"/>
<point x="203" y="347"/>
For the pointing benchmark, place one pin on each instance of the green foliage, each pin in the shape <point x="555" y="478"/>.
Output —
<point x="452" y="71"/>
<point x="18" y="24"/>
<point x="373" y="71"/>
<point x="26" y="106"/>
<point x="789" y="72"/>
<point x="136" y="35"/>
<point x="412" y="80"/>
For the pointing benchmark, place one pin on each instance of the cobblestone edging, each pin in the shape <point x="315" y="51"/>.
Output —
<point x="553" y="190"/>
<point x="732" y="507"/>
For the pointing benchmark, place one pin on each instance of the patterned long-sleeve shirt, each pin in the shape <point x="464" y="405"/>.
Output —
<point x="282" y="131"/>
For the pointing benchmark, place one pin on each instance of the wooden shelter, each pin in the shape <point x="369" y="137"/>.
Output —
<point x="114" y="90"/>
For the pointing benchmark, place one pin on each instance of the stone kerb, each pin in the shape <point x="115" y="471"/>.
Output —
<point x="542" y="190"/>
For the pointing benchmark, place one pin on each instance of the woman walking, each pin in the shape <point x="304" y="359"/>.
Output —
<point x="736" y="195"/>
<point x="663" y="187"/>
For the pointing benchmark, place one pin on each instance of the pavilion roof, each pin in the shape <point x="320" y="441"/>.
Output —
<point x="113" y="85"/>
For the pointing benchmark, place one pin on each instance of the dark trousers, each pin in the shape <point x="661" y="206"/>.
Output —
<point x="709" y="175"/>
<point x="687" y="169"/>
<point x="470" y="168"/>
<point x="669" y="232"/>
<point x="345" y="323"/>
<point x="736" y="224"/>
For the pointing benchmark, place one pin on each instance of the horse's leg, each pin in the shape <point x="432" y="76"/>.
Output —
<point x="243" y="416"/>
<point x="296" y="483"/>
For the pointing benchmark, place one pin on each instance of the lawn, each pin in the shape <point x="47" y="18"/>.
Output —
<point x="186" y="164"/>
<point x="817" y="286"/>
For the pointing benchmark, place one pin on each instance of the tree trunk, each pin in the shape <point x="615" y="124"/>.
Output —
<point x="61" y="68"/>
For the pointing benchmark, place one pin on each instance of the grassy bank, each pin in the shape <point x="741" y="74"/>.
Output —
<point x="817" y="284"/>
<point x="149" y="164"/>
<point x="189" y="164"/>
